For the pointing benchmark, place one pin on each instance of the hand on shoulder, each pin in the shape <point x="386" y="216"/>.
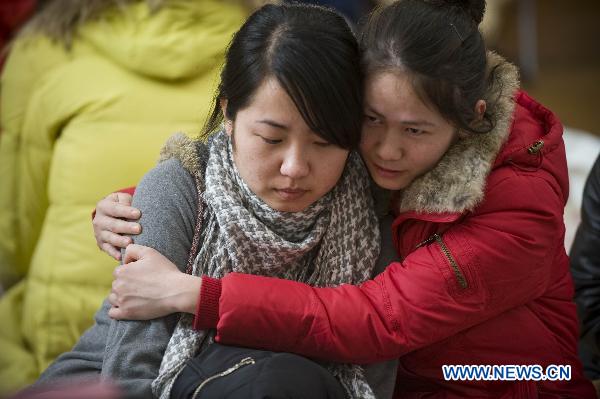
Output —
<point x="148" y="286"/>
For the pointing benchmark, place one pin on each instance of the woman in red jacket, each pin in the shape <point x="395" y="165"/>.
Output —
<point x="478" y="178"/>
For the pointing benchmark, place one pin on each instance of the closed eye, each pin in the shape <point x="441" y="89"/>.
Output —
<point x="270" y="141"/>
<point x="414" y="131"/>
<point x="372" y="119"/>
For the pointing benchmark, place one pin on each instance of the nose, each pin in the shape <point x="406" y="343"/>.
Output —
<point x="389" y="147"/>
<point x="295" y="163"/>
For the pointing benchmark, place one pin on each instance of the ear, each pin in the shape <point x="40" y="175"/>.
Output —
<point x="228" y="122"/>
<point x="480" y="107"/>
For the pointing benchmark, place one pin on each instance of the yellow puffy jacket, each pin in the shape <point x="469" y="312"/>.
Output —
<point x="77" y="125"/>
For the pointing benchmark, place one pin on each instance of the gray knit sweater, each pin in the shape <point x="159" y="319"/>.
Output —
<point x="130" y="352"/>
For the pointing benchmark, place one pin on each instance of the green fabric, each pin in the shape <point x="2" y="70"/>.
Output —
<point x="75" y="126"/>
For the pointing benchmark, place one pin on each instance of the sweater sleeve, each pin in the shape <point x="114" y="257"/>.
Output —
<point x="130" y="352"/>
<point x="85" y="359"/>
<point x="168" y="201"/>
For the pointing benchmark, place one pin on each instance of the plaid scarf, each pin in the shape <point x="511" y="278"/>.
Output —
<point x="334" y="241"/>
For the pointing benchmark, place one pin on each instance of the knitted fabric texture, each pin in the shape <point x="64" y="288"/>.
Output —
<point x="334" y="241"/>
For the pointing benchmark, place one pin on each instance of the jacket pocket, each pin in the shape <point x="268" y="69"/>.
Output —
<point x="458" y="274"/>
<point x="242" y="363"/>
<point x="215" y="368"/>
<point x="456" y="269"/>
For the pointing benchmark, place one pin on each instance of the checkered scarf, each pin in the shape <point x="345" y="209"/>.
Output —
<point x="334" y="241"/>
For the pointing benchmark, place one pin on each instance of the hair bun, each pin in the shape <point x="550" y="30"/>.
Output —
<point x="474" y="8"/>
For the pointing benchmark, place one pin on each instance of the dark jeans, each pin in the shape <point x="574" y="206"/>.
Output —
<point x="232" y="372"/>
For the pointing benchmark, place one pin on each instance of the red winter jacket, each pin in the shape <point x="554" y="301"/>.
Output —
<point x="484" y="277"/>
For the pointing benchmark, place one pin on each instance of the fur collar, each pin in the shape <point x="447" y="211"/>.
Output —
<point x="457" y="183"/>
<point x="192" y="153"/>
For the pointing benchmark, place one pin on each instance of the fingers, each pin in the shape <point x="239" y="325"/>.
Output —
<point x="134" y="252"/>
<point x="116" y="274"/>
<point x="116" y="313"/>
<point x="115" y="240"/>
<point x="117" y="205"/>
<point x="111" y="250"/>
<point x="109" y="227"/>
<point x="123" y="198"/>
<point x="122" y="227"/>
<point x="113" y="300"/>
<point x="118" y="226"/>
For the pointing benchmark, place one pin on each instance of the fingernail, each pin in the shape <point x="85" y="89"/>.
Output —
<point x="135" y="213"/>
<point x="137" y="228"/>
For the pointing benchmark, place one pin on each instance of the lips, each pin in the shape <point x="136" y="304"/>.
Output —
<point x="290" y="193"/>
<point x="387" y="173"/>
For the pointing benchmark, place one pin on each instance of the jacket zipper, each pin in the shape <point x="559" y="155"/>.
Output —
<point x="427" y="241"/>
<point x="460" y="277"/>
<point x="244" y="362"/>
<point x="462" y="281"/>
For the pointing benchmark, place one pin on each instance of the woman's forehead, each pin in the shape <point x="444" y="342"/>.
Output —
<point x="393" y="96"/>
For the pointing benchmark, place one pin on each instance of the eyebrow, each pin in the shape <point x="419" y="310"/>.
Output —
<point x="273" y="123"/>
<point x="416" y="122"/>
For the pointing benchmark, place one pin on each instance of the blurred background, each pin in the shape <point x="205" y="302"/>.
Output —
<point x="555" y="44"/>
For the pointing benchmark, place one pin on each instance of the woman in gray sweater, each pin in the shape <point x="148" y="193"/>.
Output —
<point x="277" y="191"/>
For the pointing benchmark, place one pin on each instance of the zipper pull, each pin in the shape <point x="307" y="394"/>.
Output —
<point x="243" y="362"/>
<point x="427" y="241"/>
<point x="536" y="147"/>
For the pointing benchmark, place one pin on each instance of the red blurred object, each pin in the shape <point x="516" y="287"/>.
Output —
<point x="76" y="389"/>
<point x="13" y="14"/>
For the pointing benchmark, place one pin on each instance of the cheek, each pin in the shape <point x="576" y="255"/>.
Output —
<point x="427" y="157"/>
<point x="262" y="168"/>
<point x="252" y="167"/>
<point x="367" y="143"/>
<point x="331" y="172"/>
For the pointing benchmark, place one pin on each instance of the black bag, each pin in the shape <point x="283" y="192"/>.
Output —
<point x="240" y="373"/>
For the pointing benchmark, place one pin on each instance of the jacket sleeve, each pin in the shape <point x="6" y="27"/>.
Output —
<point x="504" y="249"/>
<point x="30" y="124"/>
<point x="585" y="267"/>
<point x="168" y="200"/>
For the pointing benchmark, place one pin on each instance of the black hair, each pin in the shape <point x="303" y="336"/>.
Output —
<point x="312" y="54"/>
<point x="439" y="45"/>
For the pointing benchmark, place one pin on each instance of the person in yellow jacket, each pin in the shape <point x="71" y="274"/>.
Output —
<point x="86" y="81"/>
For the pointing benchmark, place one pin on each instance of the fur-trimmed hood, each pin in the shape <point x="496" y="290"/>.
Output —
<point x="457" y="183"/>
<point x="192" y="153"/>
